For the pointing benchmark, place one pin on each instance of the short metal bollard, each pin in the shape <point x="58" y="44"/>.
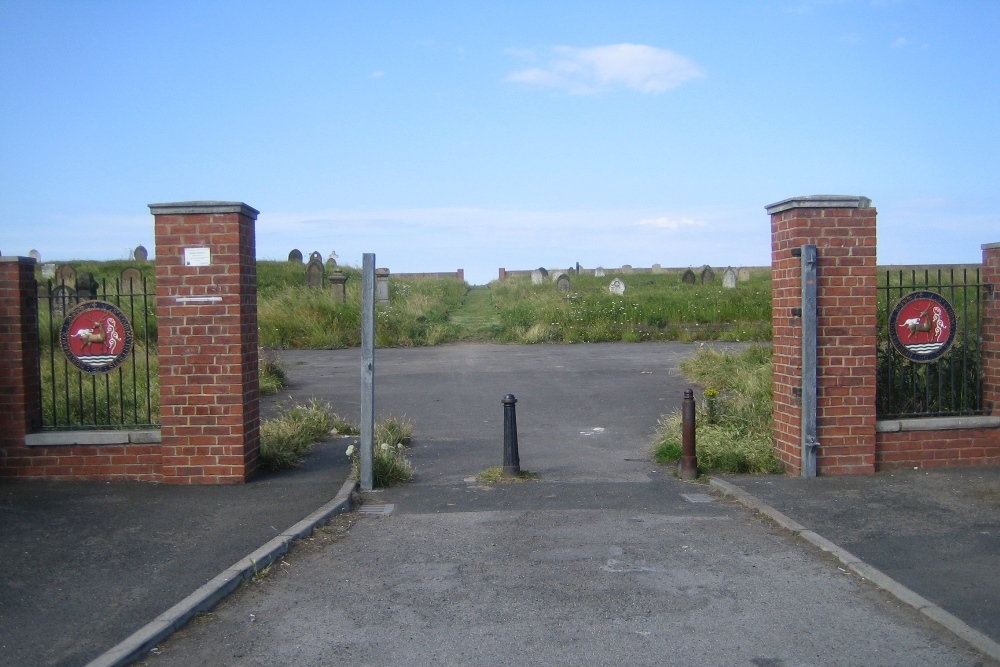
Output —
<point x="688" y="468"/>
<point x="511" y="459"/>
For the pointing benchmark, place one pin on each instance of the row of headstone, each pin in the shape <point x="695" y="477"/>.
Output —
<point x="296" y="256"/>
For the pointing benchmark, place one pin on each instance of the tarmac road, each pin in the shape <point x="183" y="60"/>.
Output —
<point x="604" y="560"/>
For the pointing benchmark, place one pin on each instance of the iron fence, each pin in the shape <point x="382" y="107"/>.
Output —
<point x="951" y="385"/>
<point x="126" y="397"/>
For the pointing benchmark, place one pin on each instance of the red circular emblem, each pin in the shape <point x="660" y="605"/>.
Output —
<point x="922" y="326"/>
<point x="96" y="337"/>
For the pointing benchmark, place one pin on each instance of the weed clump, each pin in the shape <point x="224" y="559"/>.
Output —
<point x="389" y="463"/>
<point x="734" y="425"/>
<point x="285" y="440"/>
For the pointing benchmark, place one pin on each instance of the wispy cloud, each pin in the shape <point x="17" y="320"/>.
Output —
<point x="900" y="42"/>
<point x="377" y="74"/>
<point x="672" y="224"/>
<point x="599" y="69"/>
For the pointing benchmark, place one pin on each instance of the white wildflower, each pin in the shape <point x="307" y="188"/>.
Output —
<point x="350" y="450"/>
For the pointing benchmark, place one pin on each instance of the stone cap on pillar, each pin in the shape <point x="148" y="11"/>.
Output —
<point x="819" y="201"/>
<point x="990" y="246"/>
<point x="203" y="207"/>
<point x="12" y="259"/>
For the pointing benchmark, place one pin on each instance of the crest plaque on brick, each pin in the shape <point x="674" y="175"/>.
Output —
<point x="96" y="337"/>
<point x="922" y="326"/>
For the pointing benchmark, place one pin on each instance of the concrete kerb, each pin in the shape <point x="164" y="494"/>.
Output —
<point x="976" y="639"/>
<point x="138" y="645"/>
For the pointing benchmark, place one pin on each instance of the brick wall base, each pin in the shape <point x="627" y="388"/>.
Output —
<point x="935" y="449"/>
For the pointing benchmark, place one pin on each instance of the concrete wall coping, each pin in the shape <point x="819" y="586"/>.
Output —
<point x="11" y="259"/>
<point x="990" y="246"/>
<point x="108" y="437"/>
<point x="819" y="201"/>
<point x="203" y="207"/>
<point x="935" y="424"/>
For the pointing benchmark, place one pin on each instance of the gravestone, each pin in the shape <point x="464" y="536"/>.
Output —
<point x="707" y="275"/>
<point x="688" y="277"/>
<point x="617" y="287"/>
<point x="37" y="256"/>
<point x="295" y="256"/>
<point x="657" y="268"/>
<point x="729" y="278"/>
<point x="743" y="274"/>
<point x="66" y="275"/>
<point x="314" y="272"/>
<point x="541" y="269"/>
<point x="626" y="268"/>
<point x="554" y="274"/>
<point x="331" y="259"/>
<point x="140" y="254"/>
<point x="536" y="277"/>
<point x="337" y="290"/>
<point x="48" y="270"/>
<point x="86" y="286"/>
<point x="599" y="272"/>
<point x="562" y="283"/>
<point x="130" y="281"/>
<point x="63" y="299"/>
<point x="382" y="286"/>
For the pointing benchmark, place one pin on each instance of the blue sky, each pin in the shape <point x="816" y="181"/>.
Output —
<point x="445" y="135"/>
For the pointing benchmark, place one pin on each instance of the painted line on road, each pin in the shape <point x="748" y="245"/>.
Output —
<point x="949" y="621"/>
<point x="137" y="646"/>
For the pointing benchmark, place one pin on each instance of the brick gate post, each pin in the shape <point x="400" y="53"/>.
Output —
<point x="20" y="380"/>
<point x="843" y="230"/>
<point x="206" y="310"/>
<point x="991" y="329"/>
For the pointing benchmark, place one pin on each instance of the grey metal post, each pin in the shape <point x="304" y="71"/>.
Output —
<point x="367" y="369"/>
<point x="809" y="316"/>
<point x="688" y="466"/>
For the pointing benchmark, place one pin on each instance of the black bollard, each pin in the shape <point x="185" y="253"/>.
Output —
<point x="689" y="460"/>
<point x="511" y="460"/>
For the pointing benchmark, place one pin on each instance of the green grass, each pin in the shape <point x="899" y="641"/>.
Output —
<point x="389" y="463"/>
<point x="654" y="307"/>
<point x="495" y="476"/>
<point x="734" y="423"/>
<point x="287" y="439"/>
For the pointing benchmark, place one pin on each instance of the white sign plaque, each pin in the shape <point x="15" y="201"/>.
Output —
<point x="197" y="256"/>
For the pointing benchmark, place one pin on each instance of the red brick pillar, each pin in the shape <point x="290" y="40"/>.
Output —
<point x="20" y="381"/>
<point x="991" y="329"/>
<point x="843" y="230"/>
<point x="206" y="309"/>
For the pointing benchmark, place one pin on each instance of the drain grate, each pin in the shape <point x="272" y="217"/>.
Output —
<point x="377" y="510"/>
<point x="698" y="497"/>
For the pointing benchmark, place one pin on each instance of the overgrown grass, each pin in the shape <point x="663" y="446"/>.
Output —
<point x="285" y="440"/>
<point x="389" y="463"/>
<point x="654" y="307"/>
<point x="734" y="424"/>
<point x="495" y="476"/>
<point x="272" y="374"/>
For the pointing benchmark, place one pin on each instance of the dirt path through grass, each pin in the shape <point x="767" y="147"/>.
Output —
<point x="477" y="317"/>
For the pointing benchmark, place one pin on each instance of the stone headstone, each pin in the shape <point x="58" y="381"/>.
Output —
<point x="382" y="286"/>
<point x="130" y="281"/>
<point x="562" y="284"/>
<point x="571" y="271"/>
<point x="743" y="274"/>
<point x="48" y="270"/>
<point x="63" y="299"/>
<point x="314" y="272"/>
<point x="337" y="282"/>
<point x="331" y="259"/>
<point x="541" y="269"/>
<point x="617" y="287"/>
<point x="536" y="277"/>
<point x="86" y="286"/>
<point x="688" y="278"/>
<point x="626" y="268"/>
<point x="295" y="256"/>
<point x="729" y="278"/>
<point x="555" y="275"/>
<point x="66" y="275"/>
<point x="707" y="275"/>
<point x="599" y="272"/>
<point x="314" y="255"/>
<point x="140" y="254"/>
<point x="657" y="268"/>
<point x="34" y="254"/>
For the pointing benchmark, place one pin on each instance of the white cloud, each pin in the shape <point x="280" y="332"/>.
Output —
<point x="900" y="42"/>
<point x="598" y="69"/>
<point x="672" y="224"/>
<point x="377" y="74"/>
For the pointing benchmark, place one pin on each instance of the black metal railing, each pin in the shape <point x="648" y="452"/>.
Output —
<point x="124" y="398"/>
<point x="951" y="385"/>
